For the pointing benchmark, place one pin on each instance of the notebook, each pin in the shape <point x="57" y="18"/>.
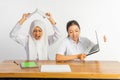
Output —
<point x="29" y="64"/>
<point x="55" y="68"/>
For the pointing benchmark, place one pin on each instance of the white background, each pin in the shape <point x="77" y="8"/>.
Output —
<point x="100" y="15"/>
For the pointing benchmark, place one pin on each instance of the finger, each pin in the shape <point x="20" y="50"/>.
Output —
<point x="82" y="58"/>
<point x="27" y="14"/>
<point x="84" y="55"/>
<point x="105" y="39"/>
<point x="47" y="14"/>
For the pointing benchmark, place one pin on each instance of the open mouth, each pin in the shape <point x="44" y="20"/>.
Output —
<point x="37" y="37"/>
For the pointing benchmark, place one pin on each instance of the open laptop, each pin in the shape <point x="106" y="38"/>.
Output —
<point x="39" y="12"/>
<point x="95" y="48"/>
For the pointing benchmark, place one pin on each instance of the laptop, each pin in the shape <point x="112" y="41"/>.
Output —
<point x="39" y="12"/>
<point x="95" y="48"/>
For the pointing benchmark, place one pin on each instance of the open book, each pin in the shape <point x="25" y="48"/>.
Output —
<point x="95" y="48"/>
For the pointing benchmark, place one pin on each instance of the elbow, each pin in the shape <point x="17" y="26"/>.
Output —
<point x="59" y="35"/>
<point x="11" y="35"/>
<point x="58" y="57"/>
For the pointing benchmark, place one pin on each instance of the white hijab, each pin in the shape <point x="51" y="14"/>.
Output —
<point x="38" y="48"/>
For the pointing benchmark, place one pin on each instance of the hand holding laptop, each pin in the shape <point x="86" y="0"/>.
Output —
<point x="95" y="48"/>
<point x="43" y="14"/>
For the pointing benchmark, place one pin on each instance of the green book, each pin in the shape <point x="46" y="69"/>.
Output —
<point x="30" y="64"/>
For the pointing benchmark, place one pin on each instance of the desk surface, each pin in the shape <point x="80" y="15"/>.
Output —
<point x="87" y="69"/>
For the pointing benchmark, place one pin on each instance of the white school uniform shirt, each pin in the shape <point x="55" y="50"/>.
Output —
<point x="69" y="47"/>
<point x="33" y="49"/>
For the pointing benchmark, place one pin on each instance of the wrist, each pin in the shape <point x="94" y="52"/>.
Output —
<point x="77" y="56"/>
<point x="21" y="21"/>
<point x="52" y="21"/>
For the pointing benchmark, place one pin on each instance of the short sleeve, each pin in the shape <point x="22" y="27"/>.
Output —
<point x="62" y="48"/>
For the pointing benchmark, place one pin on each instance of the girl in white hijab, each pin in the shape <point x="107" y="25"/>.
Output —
<point x="37" y="41"/>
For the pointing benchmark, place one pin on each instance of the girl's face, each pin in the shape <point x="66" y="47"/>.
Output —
<point x="37" y="33"/>
<point x="74" y="32"/>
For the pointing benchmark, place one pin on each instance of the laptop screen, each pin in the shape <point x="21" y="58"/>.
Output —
<point x="95" y="48"/>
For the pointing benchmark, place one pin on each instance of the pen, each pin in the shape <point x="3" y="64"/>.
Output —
<point x="15" y="62"/>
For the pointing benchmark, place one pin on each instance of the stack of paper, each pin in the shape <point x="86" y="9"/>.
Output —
<point x="55" y="68"/>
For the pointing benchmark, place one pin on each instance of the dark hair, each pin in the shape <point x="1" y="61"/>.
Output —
<point x="72" y="22"/>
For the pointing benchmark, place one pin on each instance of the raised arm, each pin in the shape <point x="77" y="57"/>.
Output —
<point x="56" y="35"/>
<point x="15" y="33"/>
<point x="23" y="19"/>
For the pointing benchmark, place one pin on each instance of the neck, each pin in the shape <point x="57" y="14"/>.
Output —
<point x="76" y="41"/>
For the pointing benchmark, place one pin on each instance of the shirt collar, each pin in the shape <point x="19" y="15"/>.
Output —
<point x="79" y="40"/>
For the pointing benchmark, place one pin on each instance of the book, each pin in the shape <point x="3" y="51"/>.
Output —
<point x="28" y="64"/>
<point x="55" y="68"/>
